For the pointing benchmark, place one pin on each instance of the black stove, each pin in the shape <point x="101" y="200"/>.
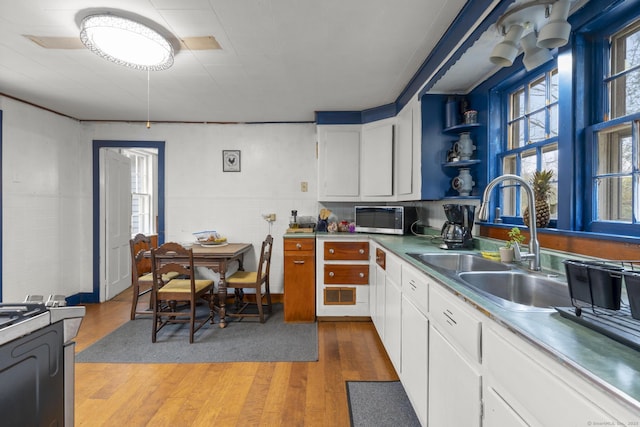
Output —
<point x="12" y="313"/>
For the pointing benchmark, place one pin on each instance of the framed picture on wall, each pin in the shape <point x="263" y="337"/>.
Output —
<point x="231" y="160"/>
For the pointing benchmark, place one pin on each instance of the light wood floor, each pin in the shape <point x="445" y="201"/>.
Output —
<point x="225" y="394"/>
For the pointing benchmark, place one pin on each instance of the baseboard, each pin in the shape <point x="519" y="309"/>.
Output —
<point x="344" y="319"/>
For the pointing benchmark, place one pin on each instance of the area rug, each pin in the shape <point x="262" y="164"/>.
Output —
<point x="380" y="404"/>
<point x="247" y="340"/>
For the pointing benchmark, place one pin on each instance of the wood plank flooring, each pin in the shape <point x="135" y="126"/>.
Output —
<point x="225" y="394"/>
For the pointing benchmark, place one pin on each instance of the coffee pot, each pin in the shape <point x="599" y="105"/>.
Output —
<point x="456" y="231"/>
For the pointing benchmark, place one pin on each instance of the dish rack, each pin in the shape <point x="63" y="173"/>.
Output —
<point x="595" y="288"/>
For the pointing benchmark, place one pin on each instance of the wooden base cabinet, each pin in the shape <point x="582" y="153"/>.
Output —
<point x="299" y="280"/>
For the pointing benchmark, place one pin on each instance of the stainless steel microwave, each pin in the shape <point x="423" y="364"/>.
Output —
<point x="385" y="219"/>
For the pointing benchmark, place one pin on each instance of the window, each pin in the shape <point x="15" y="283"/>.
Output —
<point x="532" y="139"/>
<point x="141" y="192"/>
<point x="623" y="83"/>
<point x="615" y="147"/>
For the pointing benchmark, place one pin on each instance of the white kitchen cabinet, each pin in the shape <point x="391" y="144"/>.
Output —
<point x="342" y="276"/>
<point x="455" y="385"/>
<point x="392" y="311"/>
<point x="415" y="340"/>
<point x="339" y="162"/>
<point x="408" y="149"/>
<point x="378" y="319"/>
<point x="498" y="413"/>
<point x="539" y="389"/>
<point x="373" y="281"/>
<point x="377" y="161"/>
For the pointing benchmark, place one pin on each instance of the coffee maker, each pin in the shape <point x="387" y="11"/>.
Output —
<point x="456" y="231"/>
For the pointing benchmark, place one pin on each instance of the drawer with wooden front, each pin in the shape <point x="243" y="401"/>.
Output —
<point x="292" y="246"/>
<point x="352" y="274"/>
<point x="351" y="251"/>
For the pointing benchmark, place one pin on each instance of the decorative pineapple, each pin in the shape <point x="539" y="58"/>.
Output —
<point x="540" y="182"/>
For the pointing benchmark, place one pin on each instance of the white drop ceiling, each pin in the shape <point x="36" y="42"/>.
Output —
<point x="280" y="60"/>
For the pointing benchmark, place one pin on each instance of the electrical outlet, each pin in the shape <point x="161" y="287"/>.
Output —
<point x="271" y="217"/>
<point x="304" y="186"/>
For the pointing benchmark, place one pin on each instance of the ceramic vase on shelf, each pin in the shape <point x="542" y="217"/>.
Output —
<point x="463" y="183"/>
<point x="464" y="146"/>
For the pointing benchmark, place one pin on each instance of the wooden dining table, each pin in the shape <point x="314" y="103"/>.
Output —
<point x="218" y="258"/>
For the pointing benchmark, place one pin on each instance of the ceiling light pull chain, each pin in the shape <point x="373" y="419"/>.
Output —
<point x="148" y="78"/>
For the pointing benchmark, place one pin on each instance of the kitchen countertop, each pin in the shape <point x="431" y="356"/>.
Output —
<point x="603" y="361"/>
<point x="610" y="365"/>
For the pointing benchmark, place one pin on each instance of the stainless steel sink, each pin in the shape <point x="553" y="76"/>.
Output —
<point x="454" y="262"/>
<point x="519" y="290"/>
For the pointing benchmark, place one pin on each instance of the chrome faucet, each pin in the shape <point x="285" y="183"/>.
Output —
<point x="534" y="247"/>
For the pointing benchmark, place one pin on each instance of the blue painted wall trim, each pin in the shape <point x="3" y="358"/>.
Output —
<point x="97" y="145"/>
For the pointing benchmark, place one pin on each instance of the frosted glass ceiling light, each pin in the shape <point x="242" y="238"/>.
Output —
<point x="556" y="32"/>
<point x="534" y="56"/>
<point x="506" y="51"/>
<point x="126" y="42"/>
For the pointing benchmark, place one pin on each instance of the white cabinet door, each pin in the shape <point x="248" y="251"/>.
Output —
<point x="393" y="322"/>
<point x="404" y="153"/>
<point x="454" y="385"/>
<point x="338" y="163"/>
<point x="498" y="413"/>
<point x="378" y="320"/>
<point x="377" y="160"/>
<point x="415" y="356"/>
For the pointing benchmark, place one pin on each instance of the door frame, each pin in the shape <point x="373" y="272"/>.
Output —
<point x="94" y="296"/>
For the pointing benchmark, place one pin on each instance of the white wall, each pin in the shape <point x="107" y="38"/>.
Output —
<point x="47" y="193"/>
<point x="275" y="158"/>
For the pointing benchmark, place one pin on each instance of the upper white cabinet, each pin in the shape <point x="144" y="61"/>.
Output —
<point x="377" y="160"/>
<point x="339" y="162"/>
<point x="408" y="148"/>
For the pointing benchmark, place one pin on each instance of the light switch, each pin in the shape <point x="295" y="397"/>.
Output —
<point x="304" y="186"/>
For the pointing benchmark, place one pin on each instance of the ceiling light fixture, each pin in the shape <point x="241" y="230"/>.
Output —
<point x="534" y="56"/>
<point x="556" y="32"/>
<point x="126" y="42"/>
<point x="546" y="18"/>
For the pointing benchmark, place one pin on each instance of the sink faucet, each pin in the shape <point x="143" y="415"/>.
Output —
<point x="534" y="247"/>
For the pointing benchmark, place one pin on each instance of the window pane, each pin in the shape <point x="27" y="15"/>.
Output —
<point x="553" y="90"/>
<point x="550" y="162"/>
<point x="538" y="94"/>
<point x="553" y="121"/>
<point x="537" y="131"/>
<point x="614" y="199"/>
<point x="508" y="195"/>
<point x="529" y="164"/>
<point x="625" y="94"/>
<point x="516" y="134"/>
<point x="614" y="150"/>
<point x="517" y="104"/>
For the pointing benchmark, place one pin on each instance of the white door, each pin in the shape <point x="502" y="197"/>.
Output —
<point x="116" y="187"/>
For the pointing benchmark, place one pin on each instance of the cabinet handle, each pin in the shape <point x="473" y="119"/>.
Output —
<point x="331" y="274"/>
<point x="361" y="274"/>
<point x="331" y="251"/>
<point x="298" y="262"/>
<point x="361" y="251"/>
<point x="298" y="245"/>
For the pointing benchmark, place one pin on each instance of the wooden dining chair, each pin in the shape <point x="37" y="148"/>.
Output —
<point x="255" y="280"/>
<point x="141" y="275"/>
<point x="170" y="295"/>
